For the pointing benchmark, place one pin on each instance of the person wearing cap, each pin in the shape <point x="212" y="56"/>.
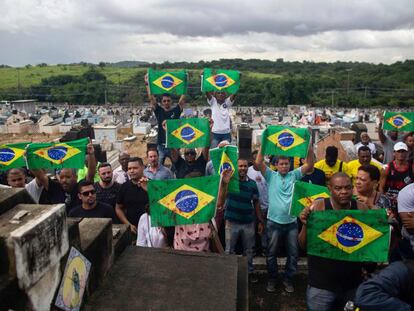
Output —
<point x="388" y="140"/>
<point x="364" y="158"/>
<point x="399" y="173"/>
<point x="331" y="165"/>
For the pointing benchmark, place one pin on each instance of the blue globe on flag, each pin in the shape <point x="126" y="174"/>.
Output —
<point x="224" y="166"/>
<point x="398" y="121"/>
<point x="6" y="154"/>
<point x="220" y="80"/>
<point x="285" y="139"/>
<point x="167" y="82"/>
<point x="187" y="133"/>
<point x="57" y="153"/>
<point x="186" y="201"/>
<point x="349" y="234"/>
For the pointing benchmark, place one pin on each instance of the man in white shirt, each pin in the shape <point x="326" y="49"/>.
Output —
<point x="120" y="174"/>
<point x="220" y="107"/>
<point x="366" y="141"/>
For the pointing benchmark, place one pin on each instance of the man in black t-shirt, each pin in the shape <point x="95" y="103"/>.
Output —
<point x="64" y="190"/>
<point x="106" y="189"/>
<point x="132" y="197"/>
<point x="164" y="112"/>
<point x="190" y="163"/>
<point x="90" y="207"/>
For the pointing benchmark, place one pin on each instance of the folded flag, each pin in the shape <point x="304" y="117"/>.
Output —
<point x="227" y="157"/>
<point x="286" y="141"/>
<point x="70" y="154"/>
<point x="222" y="80"/>
<point x="398" y="121"/>
<point x="350" y="235"/>
<point x="12" y="156"/>
<point x="182" y="201"/>
<point x="304" y="194"/>
<point x="161" y="82"/>
<point x="188" y="133"/>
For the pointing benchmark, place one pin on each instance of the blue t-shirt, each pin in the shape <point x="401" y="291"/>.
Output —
<point x="280" y="190"/>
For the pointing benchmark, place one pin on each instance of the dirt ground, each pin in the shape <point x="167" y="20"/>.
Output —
<point x="260" y="299"/>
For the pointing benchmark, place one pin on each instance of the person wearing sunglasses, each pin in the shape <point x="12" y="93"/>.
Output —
<point x="191" y="163"/>
<point x="90" y="207"/>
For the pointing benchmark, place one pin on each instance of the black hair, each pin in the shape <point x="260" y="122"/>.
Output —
<point x="136" y="159"/>
<point x="13" y="171"/>
<point x="84" y="183"/>
<point x="364" y="148"/>
<point x="373" y="171"/>
<point x="331" y="151"/>
<point x="152" y="149"/>
<point x="282" y="158"/>
<point x="104" y="164"/>
<point x="339" y="175"/>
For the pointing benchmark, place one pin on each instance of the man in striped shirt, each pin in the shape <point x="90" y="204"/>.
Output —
<point x="240" y="212"/>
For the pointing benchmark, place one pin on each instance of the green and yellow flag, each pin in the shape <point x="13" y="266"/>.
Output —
<point x="350" y="235"/>
<point x="286" y="141"/>
<point x="398" y="121"/>
<point x="183" y="201"/>
<point x="227" y="157"/>
<point x="12" y="156"/>
<point x="171" y="82"/>
<point x="70" y="154"/>
<point x="222" y="80"/>
<point x="188" y="133"/>
<point x="304" y="194"/>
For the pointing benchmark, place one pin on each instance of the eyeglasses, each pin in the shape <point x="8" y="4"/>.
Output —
<point x="87" y="193"/>
<point x="190" y="153"/>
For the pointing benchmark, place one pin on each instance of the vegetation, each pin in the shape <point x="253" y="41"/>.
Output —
<point x="264" y="82"/>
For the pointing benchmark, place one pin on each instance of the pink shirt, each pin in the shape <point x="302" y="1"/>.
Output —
<point x="194" y="238"/>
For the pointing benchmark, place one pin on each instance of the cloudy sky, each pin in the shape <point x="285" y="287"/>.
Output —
<point x="64" y="31"/>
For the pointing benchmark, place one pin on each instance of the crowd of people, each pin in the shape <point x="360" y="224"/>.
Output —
<point x="257" y="220"/>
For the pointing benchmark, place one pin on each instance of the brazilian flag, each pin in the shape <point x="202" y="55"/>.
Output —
<point x="188" y="133"/>
<point x="221" y="80"/>
<point x="285" y="141"/>
<point x="227" y="157"/>
<point x="304" y="194"/>
<point x="350" y="235"/>
<point x="12" y="156"/>
<point x="161" y="82"/>
<point x="182" y="201"/>
<point x="70" y="154"/>
<point x="398" y="121"/>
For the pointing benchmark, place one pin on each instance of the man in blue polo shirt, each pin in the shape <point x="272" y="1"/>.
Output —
<point x="280" y="225"/>
<point x="240" y="213"/>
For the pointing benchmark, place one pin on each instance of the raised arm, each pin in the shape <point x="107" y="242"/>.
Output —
<point x="181" y="102"/>
<point x="91" y="163"/>
<point x="381" y="134"/>
<point x="41" y="178"/>
<point x="260" y="162"/>
<point x="151" y="98"/>
<point x="310" y="159"/>
<point x="224" y="184"/>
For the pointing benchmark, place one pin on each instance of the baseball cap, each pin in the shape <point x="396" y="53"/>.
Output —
<point x="400" y="146"/>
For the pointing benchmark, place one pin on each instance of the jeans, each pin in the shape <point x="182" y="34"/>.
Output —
<point x="289" y="232"/>
<point x="324" y="300"/>
<point x="246" y="232"/>
<point x="163" y="153"/>
<point x="218" y="138"/>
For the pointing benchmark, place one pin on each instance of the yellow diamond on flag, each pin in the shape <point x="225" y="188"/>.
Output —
<point x="307" y="201"/>
<point x="349" y="234"/>
<point x="186" y="201"/>
<point x="9" y="154"/>
<point x="167" y="82"/>
<point x="220" y="81"/>
<point x="286" y="139"/>
<point x="58" y="153"/>
<point x="225" y="163"/>
<point x="187" y="133"/>
<point x="398" y="121"/>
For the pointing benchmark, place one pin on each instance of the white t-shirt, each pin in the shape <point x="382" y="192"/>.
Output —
<point x="261" y="186"/>
<point x="149" y="236"/>
<point x="371" y="146"/>
<point x="119" y="175"/>
<point x="34" y="190"/>
<point x="220" y="115"/>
